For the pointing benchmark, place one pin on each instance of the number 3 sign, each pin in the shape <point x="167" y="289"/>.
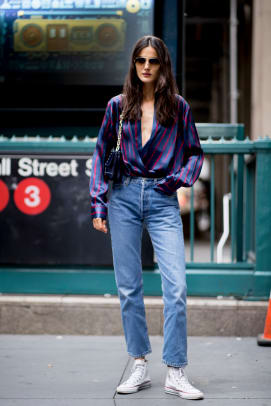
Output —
<point x="32" y="196"/>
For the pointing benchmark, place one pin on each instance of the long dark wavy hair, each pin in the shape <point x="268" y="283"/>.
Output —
<point x="165" y="89"/>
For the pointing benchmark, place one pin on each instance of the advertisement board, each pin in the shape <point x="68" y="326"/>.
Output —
<point x="70" y="42"/>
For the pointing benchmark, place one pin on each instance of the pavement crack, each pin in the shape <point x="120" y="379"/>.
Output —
<point x="122" y="375"/>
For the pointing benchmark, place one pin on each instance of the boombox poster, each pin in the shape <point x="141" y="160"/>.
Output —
<point x="71" y="41"/>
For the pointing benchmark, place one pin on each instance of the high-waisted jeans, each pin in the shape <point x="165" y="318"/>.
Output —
<point x="132" y="203"/>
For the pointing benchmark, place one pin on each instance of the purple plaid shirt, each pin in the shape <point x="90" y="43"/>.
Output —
<point x="171" y="153"/>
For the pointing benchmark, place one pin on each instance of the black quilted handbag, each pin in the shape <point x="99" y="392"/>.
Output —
<point x="114" y="163"/>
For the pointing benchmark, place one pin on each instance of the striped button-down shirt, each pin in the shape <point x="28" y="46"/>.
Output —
<point x="172" y="153"/>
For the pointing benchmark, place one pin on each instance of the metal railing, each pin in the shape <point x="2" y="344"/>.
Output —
<point x="244" y="158"/>
<point x="224" y="143"/>
<point x="246" y="169"/>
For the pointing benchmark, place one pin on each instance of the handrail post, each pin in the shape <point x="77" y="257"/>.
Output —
<point x="263" y="206"/>
<point x="240" y="201"/>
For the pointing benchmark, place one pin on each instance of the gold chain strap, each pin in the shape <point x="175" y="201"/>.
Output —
<point x="119" y="133"/>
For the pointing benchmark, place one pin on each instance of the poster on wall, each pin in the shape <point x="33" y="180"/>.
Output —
<point x="71" y="41"/>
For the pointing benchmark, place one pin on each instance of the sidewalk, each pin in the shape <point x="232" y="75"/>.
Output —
<point x="41" y="370"/>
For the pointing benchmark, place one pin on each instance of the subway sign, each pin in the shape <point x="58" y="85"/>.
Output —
<point x="32" y="194"/>
<point x="45" y="213"/>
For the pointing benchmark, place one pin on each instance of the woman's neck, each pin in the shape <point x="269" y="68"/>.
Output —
<point x="148" y="92"/>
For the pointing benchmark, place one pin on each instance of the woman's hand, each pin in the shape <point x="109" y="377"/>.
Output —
<point x="100" y="225"/>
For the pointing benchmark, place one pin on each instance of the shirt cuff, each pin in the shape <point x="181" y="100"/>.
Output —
<point x="99" y="211"/>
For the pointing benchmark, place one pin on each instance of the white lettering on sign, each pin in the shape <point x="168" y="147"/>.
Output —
<point x="88" y="166"/>
<point x="64" y="169"/>
<point x="33" y="198"/>
<point x="5" y="167"/>
<point x="33" y="167"/>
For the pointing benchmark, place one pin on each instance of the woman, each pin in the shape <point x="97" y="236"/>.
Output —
<point x="161" y="152"/>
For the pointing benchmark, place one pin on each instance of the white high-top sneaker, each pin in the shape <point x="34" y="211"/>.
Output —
<point x="139" y="378"/>
<point x="178" y="384"/>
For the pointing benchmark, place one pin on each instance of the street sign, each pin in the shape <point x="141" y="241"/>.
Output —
<point x="45" y="213"/>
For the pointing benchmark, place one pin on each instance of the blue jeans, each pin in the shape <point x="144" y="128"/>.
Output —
<point x="132" y="203"/>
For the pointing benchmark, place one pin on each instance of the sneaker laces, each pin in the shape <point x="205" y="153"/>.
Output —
<point x="137" y="373"/>
<point x="181" y="377"/>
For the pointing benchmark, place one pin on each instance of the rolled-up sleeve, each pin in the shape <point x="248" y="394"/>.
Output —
<point x="98" y="185"/>
<point x="188" y="157"/>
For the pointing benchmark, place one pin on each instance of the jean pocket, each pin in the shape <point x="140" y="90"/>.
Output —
<point x="166" y="200"/>
<point x="172" y="196"/>
<point x="117" y="186"/>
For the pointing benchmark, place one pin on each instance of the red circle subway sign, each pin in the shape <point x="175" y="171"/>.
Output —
<point x="32" y="196"/>
<point x="4" y="195"/>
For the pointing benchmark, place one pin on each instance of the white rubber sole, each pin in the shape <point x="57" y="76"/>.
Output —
<point x="184" y="395"/>
<point x="134" y="389"/>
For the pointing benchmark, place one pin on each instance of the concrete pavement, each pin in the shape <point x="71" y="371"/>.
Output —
<point x="43" y="370"/>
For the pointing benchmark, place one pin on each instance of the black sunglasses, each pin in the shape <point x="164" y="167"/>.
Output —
<point x="152" y="61"/>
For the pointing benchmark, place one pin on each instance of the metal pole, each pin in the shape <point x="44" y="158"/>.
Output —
<point x="226" y="227"/>
<point x="234" y="118"/>
<point x="181" y="45"/>
<point x="233" y="62"/>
